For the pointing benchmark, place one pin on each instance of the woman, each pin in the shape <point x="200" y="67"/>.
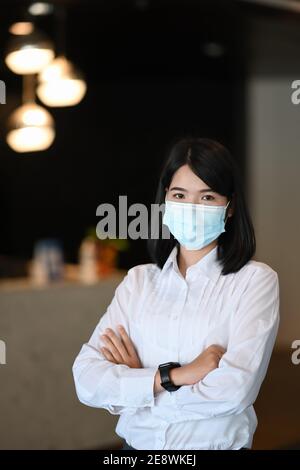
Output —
<point x="183" y="348"/>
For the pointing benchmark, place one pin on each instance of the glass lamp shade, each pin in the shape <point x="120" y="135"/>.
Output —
<point x="28" y="53"/>
<point x="61" y="84"/>
<point x="31" y="129"/>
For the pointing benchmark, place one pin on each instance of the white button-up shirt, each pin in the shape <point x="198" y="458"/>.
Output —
<point x="172" y="318"/>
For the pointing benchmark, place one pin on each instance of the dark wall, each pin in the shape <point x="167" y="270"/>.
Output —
<point x="149" y="80"/>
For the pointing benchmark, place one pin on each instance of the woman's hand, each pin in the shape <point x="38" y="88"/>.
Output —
<point x="120" y="350"/>
<point x="196" y="370"/>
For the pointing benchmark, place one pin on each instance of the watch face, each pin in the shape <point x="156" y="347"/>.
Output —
<point x="165" y="364"/>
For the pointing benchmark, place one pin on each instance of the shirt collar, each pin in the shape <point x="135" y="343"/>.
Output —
<point x="208" y="266"/>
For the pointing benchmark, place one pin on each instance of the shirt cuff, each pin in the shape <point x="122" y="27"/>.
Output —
<point x="182" y="396"/>
<point x="188" y="398"/>
<point x="166" y="398"/>
<point x="137" y="386"/>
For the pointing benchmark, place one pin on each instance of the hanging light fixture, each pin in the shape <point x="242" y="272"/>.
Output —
<point x="60" y="84"/>
<point x="31" y="127"/>
<point x="28" y="53"/>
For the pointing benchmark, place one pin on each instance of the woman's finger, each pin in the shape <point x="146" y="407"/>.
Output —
<point x="112" y="348"/>
<point x="108" y="355"/>
<point x="118" y="343"/>
<point x="127" y="341"/>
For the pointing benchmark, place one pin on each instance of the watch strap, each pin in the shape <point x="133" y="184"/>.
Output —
<point x="165" y="376"/>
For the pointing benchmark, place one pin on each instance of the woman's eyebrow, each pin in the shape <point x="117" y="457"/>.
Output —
<point x="200" y="190"/>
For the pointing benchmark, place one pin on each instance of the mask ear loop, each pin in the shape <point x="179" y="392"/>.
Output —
<point x="226" y="209"/>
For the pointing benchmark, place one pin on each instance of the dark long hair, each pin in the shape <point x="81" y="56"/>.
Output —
<point x="213" y="164"/>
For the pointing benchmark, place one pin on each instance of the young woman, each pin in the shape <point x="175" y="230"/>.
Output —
<point x="182" y="349"/>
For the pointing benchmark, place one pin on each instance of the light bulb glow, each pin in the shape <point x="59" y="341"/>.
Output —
<point x="60" y="84"/>
<point x="28" y="60"/>
<point x="30" y="139"/>
<point x="21" y="27"/>
<point x="31" y="129"/>
<point x="61" y="92"/>
<point x="40" y="8"/>
<point x="35" y="117"/>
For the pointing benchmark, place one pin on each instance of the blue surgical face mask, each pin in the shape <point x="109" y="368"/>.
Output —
<point x="194" y="225"/>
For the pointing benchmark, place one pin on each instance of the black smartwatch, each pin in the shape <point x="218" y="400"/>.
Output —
<point x="166" y="382"/>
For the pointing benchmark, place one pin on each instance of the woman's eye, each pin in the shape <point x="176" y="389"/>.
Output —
<point x="212" y="198"/>
<point x="178" y="194"/>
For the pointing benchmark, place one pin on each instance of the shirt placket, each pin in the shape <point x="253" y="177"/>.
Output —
<point x="182" y="294"/>
<point x="178" y="318"/>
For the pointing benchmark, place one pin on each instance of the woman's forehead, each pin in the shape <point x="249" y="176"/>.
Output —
<point x="185" y="178"/>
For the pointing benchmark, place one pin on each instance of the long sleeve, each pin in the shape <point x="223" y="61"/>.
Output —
<point x="100" y="383"/>
<point x="235" y="384"/>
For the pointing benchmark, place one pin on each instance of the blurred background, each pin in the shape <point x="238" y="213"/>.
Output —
<point x="95" y="92"/>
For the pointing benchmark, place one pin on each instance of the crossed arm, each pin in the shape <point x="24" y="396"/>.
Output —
<point x="121" y="350"/>
<point x="215" y="383"/>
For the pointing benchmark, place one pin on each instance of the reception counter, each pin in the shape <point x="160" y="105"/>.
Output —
<point x="43" y="329"/>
